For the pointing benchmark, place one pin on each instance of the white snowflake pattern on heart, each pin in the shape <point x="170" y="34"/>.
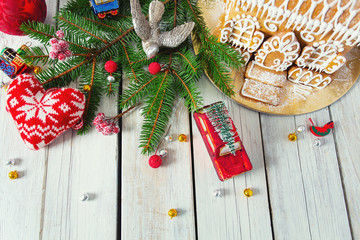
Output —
<point x="38" y="107"/>
<point x="42" y="115"/>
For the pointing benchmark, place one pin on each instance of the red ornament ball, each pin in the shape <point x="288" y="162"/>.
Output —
<point x="155" y="161"/>
<point x="110" y="66"/>
<point x="154" y="68"/>
<point x="13" y="13"/>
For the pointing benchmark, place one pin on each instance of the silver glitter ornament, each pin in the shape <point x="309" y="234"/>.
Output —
<point x="149" y="31"/>
<point x="317" y="142"/>
<point x="301" y="129"/>
<point x="218" y="193"/>
<point x="11" y="162"/>
<point x="84" y="197"/>
<point x="110" y="79"/>
<point x="169" y="138"/>
<point x="163" y="152"/>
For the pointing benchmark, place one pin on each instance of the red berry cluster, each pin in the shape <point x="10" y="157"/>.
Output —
<point x="59" y="48"/>
<point x="105" y="126"/>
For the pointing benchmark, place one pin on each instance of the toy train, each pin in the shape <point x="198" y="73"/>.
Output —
<point x="103" y="7"/>
<point x="226" y="164"/>
<point x="11" y="63"/>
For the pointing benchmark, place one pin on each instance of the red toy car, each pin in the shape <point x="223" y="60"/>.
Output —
<point x="227" y="165"/>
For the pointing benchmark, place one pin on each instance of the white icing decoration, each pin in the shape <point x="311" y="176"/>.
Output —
<point x="341" y="25"/>
<point x="323" y="58"/>
<point x="308" y="78"/>
<point x="301" y="91"/>
<point x="242" y="33"/>
<point x="287" y="46"/>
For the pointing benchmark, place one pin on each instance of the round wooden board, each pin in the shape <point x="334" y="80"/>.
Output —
<point x="292" y="103"/>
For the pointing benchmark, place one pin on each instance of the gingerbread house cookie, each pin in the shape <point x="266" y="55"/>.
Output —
<point x="326" y="31"/>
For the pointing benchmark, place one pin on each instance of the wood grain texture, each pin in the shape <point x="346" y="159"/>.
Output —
<point x="21" y="199"/>
<point x="232" y="216"/>
<point x="346" y="116"/>
<point x="148" y="194"/>
<point x="304" y="182"/>
<point x="78" y="164"/>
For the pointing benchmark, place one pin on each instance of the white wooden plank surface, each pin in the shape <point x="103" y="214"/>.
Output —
<point x="346" y="115"/>
<point x="299" y="193"/>
<point x="21" y="199"/>
<point x="44" y="202"/>
<point x="148" y="194"/>
<point x="78" y="164"/>
<point x="233" y="216"/>
<point x="304" y="182"/>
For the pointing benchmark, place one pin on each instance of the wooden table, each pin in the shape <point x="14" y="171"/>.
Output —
<point x="300" y="192"/>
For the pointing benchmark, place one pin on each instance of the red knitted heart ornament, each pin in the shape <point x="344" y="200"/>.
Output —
<point x="40" y="115"/>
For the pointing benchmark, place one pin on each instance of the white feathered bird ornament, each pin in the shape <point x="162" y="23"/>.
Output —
<point x="149" y="31"/>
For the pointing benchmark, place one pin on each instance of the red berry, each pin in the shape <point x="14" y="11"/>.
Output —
<point x="154" y="68"/>
<point x="110" y="66"/>
<point x="155" y="161"/>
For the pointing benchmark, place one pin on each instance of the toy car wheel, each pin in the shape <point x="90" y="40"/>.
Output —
<point x="9" y="70"/>
<point x="114" y="12"/>
<point x="102" y="15"/>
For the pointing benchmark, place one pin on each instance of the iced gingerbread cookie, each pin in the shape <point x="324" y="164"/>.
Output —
<point x="266" y="75"/>
<point x="322" y="57"/>
<point x="308" y="77"/>
<point x="326" y="29"/>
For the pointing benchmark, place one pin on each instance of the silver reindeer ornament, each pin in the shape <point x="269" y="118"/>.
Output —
<point x="149" y="31"/>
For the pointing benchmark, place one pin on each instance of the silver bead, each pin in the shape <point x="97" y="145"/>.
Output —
<point x="218" y="193"/>
<point x="169" y="138"/>
<point x="317" y="142"/>
<point x="11" y="162"/>
<point x="301" y="129"/>
<point x="84" y="197"/>
<point x="163" y="152"/>
<point x="110" y="79"/>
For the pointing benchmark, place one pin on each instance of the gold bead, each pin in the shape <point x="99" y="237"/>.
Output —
<point x="292" y="137"/>
<point x="248" y="192"/>
<point x="87" y="88"/>
<point x="182" y="138"/>
<point x="13" y="175"/>
<point x="172" y="213"/>
<point x="37" y="69"/>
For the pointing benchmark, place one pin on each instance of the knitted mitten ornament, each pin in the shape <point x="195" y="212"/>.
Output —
<point x="42" y="115"/>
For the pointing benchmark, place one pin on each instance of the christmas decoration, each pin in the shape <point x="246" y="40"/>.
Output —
<point x="321" y="131"/>
<point x="108" y="126"/>
<point x="37" y="70"/>
<point x="169" y="138"/>
<point x="172" y="213"/>
<point x="149" y="31"/>
<point x="102" y="8"/>
<point x="292" y="137"/>
<point x="301" y="129"/>
<point x="111" y="66"/>
<point x="155" y="161"/>
<point x="11" y="63"/>
<point x="222" y="141"/>
<point x="115" y="38"/>
<point x="13" y="175"/>
<point x="154" y="68"/>
<point x="87" y="88"/>
<point x="317" y="142"/>
<point x="60" y="48"/>
<point x="15" y="12"/>
<point x="218" y="193"/>
<point x="182" y="138"/>
<point x="84" y="197"/>
<point x="11" y="162"/>
<point x="163" y="152"/>
<point x="40" y="115"/>
<point x="248" y="192"/>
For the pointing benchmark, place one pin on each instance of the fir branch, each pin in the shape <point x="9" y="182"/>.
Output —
<point x="82" y="29"/>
